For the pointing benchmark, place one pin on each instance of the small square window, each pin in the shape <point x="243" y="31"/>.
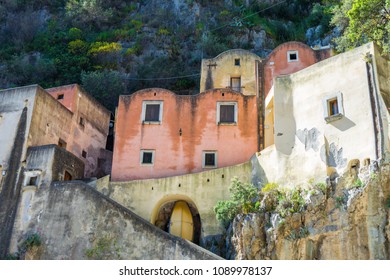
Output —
<point x="152" y="112"/>
<point x="147" y="157"/>
<point x="235" y="83"/>
<point x="84" y="154"/>
<point x="209" y="159"/>
<point x="292" y="56"/>
<point x="333" y="107"/>
<point x="33" y="181"/>
<point x="60" y="97"/>
<point x="226" y="113"/>
<point x="237" y="62"/>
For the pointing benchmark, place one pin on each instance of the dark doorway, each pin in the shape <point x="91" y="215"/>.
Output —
<point x="67" y="176"/>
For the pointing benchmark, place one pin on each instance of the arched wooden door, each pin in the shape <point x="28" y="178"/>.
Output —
<point x="181" y="223"/>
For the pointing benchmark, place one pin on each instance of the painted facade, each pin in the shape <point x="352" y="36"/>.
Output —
<point x="330" y="117"/>
<point x="286" y="59"/>
<point x="234" y="69"/>
<point x="89" y="129"/>
<point x="189" y="133"/>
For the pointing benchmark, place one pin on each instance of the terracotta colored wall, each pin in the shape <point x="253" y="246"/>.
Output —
<point x="277" y="63"/>
<point x="175" y="154"/>
<point x="69" y="93"/>
<point x="92" y="136"/>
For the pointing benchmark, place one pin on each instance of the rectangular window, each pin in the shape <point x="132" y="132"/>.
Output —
<point x="84" y="154"/>
<point x="152" y="112"/>
<point x="237" y="62"/>
<point x="333" y="107"/>
<point x="209" y="159"/>
<point x="226" y="113"/>
<point x="292" y="56"/>
<point x="235" y="83"/>
<point x="60" y="97"/>
<point x="147" y="157"/>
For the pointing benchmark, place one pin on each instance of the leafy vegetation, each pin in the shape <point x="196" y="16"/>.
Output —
<point x="243" y="199"/>
<point x="30" y="241"/>
<point x="362" y="21"/>
<point x="59" y="42"/>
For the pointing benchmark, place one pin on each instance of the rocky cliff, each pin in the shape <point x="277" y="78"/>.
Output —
<point x="349" y="220"/>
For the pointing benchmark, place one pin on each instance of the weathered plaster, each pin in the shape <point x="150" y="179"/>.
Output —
<point x="216" y="72"/>
<point x="308" y="145"/>
<point x="175" y="153"/>
<point x="90" y="137"/>
<point x="49" y="163"/>
<point x="75" y="217"/>
<point x="203" y="190"/>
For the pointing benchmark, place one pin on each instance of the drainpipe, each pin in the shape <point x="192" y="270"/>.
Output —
<point x="375" y="108"/>
<point x="260" y="103"/>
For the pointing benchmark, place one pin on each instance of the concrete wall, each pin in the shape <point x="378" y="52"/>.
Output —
<point x="175" y="154"/>
<point x="305" y="143"/>
<point x="75" y="218"/>
<point x="51" y="121"/>
<point x="217" y="72"/>
<point x="46" y="163"/>
<point x="12" y="103"/>
<point x="202" y="190"/>
<point x="90" y="137"/>
<point x="16" y="109"/>
<point x="277" y="63"/>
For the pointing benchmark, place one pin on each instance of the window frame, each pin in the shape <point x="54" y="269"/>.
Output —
<point x="326" y="103"/>
<point x="141" y="157"/>
<point x="29" y="175"/>
<point x="290" y="52"/>
<point x="152" y="102"/>
<point x="215" y="153"/>
<point x="222" y="103"/>
<point x="231" y="83"/>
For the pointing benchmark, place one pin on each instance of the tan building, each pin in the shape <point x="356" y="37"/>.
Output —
<point x="235" y="69"/>
<point x="31" y="118"/>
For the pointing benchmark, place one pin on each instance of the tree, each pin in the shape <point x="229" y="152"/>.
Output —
<point x="105" y="86"/>
<point x="362" y="21"/>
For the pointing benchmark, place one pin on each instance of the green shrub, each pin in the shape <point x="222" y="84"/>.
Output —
<point x="269" y="187"/>
<point x="244" y="199"/>
<point x="32" y="240"/>
<point x="358" y="183"/>
<point x="322" y="186"/>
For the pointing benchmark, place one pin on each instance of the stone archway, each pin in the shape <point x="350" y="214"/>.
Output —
<point x="162" y="213"/>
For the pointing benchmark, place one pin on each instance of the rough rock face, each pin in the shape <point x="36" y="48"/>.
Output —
<point x="348" y="222"/>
